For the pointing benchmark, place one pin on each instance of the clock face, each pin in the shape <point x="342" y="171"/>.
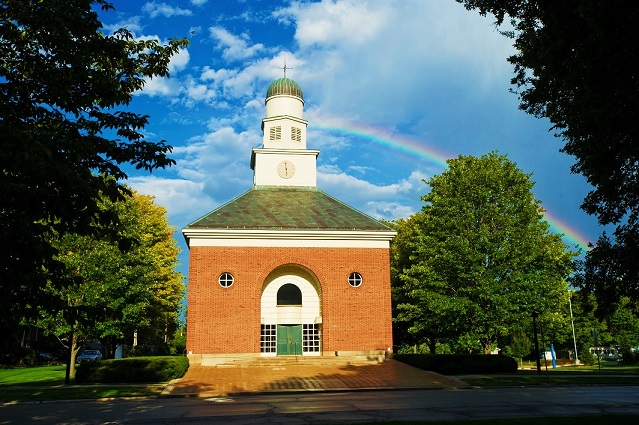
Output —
<point x="286" y="169"/>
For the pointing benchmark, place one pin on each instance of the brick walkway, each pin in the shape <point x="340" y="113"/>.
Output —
<point x="210" y="381"/>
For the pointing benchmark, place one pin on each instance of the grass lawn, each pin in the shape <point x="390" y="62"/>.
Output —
<point x="610" y="374"/>
<point x="38" y="383"/>
<point x="31" y="375"/>
<point x="559" y="420"/>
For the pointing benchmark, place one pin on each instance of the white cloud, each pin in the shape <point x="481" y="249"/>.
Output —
<point x="132" y="24"/>
<point x="180" y="197"/>
<point x="199" y="92"/>
<point x="160" y="86"/>
<point x="390" y="201"/>
<point x="389" y="210"/>
<point x="389" y="69"/>
<point x="154" y="9"/>
<point x="356" y="189"/>
<point x="331" y="22"/>
<point x="219" y="75"/>
<point x="179" y="61"/>
<point x="233" y="47"/>
<point x="361" y="169"/>
<point x="216" y="156"/>
<point x="198" y="2"/>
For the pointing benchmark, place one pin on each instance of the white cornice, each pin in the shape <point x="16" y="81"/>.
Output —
<point x="284" y="117"/>
<point x="289" y="238"/>
<point x="272" y="151"/>
<point x="204" y="233"/>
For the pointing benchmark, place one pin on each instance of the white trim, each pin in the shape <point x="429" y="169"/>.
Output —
<point x="275" y="151"/>
<point x="385" y="235"/>
<point x="284" y="243"/>
<point x="289" y="238"/>
<point x="284" y="117"/>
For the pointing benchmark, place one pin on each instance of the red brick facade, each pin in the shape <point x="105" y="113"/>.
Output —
<point x="227" y="320"/>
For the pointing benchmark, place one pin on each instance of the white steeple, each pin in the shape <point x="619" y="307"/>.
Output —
<point x="283" y="159"/>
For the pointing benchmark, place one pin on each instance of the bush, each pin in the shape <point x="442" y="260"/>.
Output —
<point x="585" y="356"/>
<point x="457" y="364"/>
<point x="134" y="369"/>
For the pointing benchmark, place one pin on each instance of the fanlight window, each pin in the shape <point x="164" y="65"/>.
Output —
<point x="289" y="294"/>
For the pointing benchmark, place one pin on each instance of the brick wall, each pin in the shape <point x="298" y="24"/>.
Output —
<point x="227" y="320"/>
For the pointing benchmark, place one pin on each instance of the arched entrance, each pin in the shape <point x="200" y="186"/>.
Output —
<point x="290" y="313"/>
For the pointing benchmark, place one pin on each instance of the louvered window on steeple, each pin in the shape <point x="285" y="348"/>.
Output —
<point x="275" y="133"/>
<point x="296" y="134"/>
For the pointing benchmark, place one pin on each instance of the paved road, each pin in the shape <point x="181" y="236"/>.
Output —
<point x="336" y="407"/>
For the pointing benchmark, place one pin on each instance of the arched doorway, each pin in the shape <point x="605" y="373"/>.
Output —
<point x="290" y="313"/>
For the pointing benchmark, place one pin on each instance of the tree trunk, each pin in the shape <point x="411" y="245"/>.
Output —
<point x="73" y="353"/>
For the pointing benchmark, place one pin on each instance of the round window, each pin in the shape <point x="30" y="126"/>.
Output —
<point x="226" y="280"/>
<point x="355" y="279"/>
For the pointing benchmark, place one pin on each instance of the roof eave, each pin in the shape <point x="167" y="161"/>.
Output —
<point x="208" y="233"/>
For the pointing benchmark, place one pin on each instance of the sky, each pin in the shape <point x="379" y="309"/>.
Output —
<point x="392" y="89"/>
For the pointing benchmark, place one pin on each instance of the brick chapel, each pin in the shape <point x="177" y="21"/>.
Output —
<point x="285" y="269"/>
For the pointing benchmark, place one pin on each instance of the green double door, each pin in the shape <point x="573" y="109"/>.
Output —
<point x="289" y="340"/>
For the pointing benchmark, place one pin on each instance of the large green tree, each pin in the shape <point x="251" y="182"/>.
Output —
<point x="64" y="89"/>
<point x="482" y="258"/>
<point x="419" y="313"/>
<point x="112" y="293"/>
<point x="577" y="64"/>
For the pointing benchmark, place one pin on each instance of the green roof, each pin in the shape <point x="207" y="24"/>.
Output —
<point x="284" y="86"/>
<point x="291" y="208"/>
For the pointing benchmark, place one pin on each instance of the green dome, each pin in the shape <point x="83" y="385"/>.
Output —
<point x="284" y="86"/>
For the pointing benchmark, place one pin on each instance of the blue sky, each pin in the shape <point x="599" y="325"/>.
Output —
<point x="398" y="73"/>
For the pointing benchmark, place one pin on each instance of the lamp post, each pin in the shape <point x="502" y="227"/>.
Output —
<point x="534" y="317"/>
<point x="572" y="323"/>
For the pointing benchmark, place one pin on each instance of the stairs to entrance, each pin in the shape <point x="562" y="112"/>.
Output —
<point x="283" y="361"/>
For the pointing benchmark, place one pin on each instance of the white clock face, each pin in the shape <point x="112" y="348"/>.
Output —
<point x="286" y="169"/>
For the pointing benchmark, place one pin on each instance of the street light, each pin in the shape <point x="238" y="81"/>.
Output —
<point x="534" y="317"/>
<point x="572" y="323"/>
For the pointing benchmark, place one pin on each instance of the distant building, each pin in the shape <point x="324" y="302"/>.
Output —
<point x="285" y="269"/>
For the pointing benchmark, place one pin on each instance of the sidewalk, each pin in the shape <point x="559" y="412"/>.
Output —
<point x="212" y="381"/>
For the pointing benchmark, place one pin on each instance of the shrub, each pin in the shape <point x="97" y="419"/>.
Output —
<point x="585" y="356"/>
<point x="456" y="364"/>
<point x="134" y="369"/>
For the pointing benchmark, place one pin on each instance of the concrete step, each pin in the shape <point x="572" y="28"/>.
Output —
<point x="282" y="361"/>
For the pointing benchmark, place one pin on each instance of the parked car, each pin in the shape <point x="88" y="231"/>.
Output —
<point x="43" y="356"/>
<point x="89" y="355"/>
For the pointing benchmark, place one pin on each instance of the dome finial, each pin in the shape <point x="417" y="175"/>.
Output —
<point x="285" y="68"/>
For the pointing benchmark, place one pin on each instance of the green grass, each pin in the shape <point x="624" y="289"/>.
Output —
<point x="615" y="368"/>
<point x="520" y="379"/>
<point x="31" y="375"/>
<point x="38" y="383"/>
<point x="559" y="420"/>
<point x="610" y="374"/>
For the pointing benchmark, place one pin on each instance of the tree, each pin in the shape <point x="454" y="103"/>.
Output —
<point x="520" y="345"/>
<point x="64" y="90"/>
<point x="418" y="314"/>
<point x="577" y="65"/>
<point x="482" y="257"/>
<point x="623" y="326"/>
<point x="114" y="293"/>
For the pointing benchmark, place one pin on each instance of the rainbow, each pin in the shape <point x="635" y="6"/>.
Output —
<point x="415" y="149"/>
<point x="570" y="235"/>
<point x="406" y="146"/>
